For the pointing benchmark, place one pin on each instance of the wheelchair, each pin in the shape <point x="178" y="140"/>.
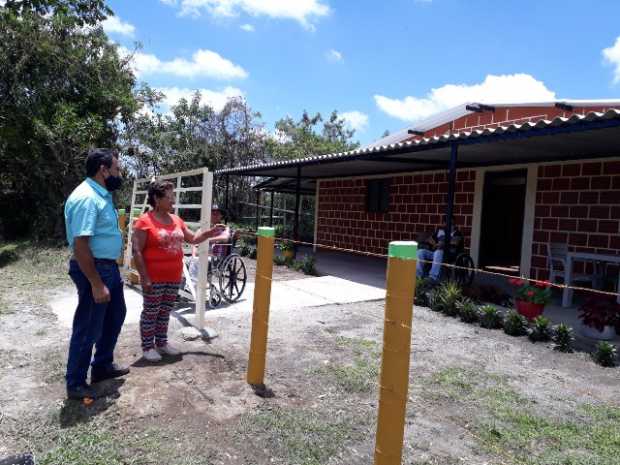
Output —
<point x="226" y="274"/>
<point x="464" y="271"/>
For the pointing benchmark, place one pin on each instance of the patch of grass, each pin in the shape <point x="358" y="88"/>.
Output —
<point x="34" y="267"/>
<point x="303" y="437"/>
<point x="8" y="253"/>
<point x="76" y="435"/>
<point x="516" y="428"/>
<point x="361" y="373"/>
<point x="54" y="364"/>
<point x="84" y="444"/>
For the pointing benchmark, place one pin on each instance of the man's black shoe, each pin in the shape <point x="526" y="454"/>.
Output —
<point x="114" y="371"/>
<point x="81" y="393"/>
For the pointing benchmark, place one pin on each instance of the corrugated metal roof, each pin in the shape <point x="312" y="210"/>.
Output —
<point x="454" y="113"/>
<point x="471" y="137"/>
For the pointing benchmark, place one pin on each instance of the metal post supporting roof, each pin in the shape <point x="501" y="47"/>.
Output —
<point x="451" y="188"/>
<point x="297" y="202"/>
<point x="271" y="209"/>
<point x="226" y="195"/>
<point x="257" y="209"/>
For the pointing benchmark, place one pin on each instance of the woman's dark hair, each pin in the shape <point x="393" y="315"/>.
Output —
<point x="157" y="189"/>
<point x="97" y="157"/>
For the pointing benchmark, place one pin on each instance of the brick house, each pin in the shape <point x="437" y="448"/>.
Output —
<point x="523" y="175"/>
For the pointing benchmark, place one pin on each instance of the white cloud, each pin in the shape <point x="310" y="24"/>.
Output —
<point x="333" y="56"/>
<point x="512" y="88"/>
<point x="215" y="99"/>
<point x="114" y="25"/>
<point x="204" y="63"/>
<point x="612" y="56"/>
<point x="302" y="11"/>
<point x="169" y="2"/>
<point x="355" y="120"/>
<point x="247" y="27"/>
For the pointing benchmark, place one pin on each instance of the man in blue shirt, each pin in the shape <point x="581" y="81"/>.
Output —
<point x="95" y="238"/>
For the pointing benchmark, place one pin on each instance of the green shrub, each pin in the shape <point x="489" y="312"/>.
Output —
<point x="252" y="253"/>
<point x="563" y="338"/>
<point x="605" y="354"/>
<point x="243" y="247"/>
<point x="423" y="286"/>
<point x="515" y="324"/>
<point x="468" y="310"/>
<point x="541" y="329"/>
<point x="279" y="260"/>
<point x="450" y="295"/>
<point x="8" y="254"/>
<point x="306" y="265"/>
<point x="490" y="317"/>
<point x="435" y="302"/>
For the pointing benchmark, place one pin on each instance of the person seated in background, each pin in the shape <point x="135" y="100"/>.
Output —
<point x="220" y="244"/>
<point x="431" y="248"/>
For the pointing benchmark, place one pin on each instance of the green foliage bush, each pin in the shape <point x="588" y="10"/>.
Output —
<point x="605" y="354"/>
<point x="515" y="324"/>
<point x="490" y="317"/>
<point x="468" y="311"/>
<point x="423" y="286"/>
<point x="307" y="265"/>
<point x="450" y="295"/>
<point x="67" y="87"/>
<point x="541" y="329"/>
<point x="563" y="338"/>
<point x="435" y="302"/>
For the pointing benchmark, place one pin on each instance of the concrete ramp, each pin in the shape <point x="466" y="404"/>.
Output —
<point x="285" y="295"/>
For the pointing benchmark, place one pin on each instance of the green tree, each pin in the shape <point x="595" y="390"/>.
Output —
<point x="303" y="138"/>
<point x="193" y="135"/>
<point x="63" y="89"/>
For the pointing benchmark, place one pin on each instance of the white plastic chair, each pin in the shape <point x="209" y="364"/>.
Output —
<point x="556" y="261"/>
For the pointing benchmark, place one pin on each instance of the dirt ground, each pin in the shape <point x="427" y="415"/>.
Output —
<point x="476" y="396"/>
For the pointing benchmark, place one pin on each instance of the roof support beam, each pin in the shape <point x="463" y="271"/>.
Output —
<point x="454" y="152"/>
<point x="297" y="204"/>
<point x="479" y="107"/>
<point x="271" y="209"/>
<point x="564" y="106"/>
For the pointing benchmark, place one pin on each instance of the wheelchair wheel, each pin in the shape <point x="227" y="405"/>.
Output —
<point x="232" y="278"/>
<point x="464" y="275"/>
<point x="215" y="298"/>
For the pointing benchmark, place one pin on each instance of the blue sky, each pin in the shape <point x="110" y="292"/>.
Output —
<point x="383" y="64"/>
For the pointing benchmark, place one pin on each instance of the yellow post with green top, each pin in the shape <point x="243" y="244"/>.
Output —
<point x="394" y="379"/>
<point x="260" y="313"/>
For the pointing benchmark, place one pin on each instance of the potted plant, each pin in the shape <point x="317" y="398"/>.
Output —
<point x="599" y="315"/>
<point x="287" y="248"/>
<point x="530" y="299"/>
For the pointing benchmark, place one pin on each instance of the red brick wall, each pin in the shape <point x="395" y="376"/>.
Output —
<point x="417" y="203"/>
<point x="578" y="204"/>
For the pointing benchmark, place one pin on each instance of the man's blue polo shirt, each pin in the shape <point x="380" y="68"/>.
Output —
<point x="89" y="211"/>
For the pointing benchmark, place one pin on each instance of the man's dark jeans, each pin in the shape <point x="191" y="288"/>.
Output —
<point x="94" y="324"/>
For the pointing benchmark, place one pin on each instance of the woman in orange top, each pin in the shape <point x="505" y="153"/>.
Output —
<point x="157" y="244"/>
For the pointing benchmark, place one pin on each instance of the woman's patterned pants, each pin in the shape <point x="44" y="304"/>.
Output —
<point x="156" y="314"/>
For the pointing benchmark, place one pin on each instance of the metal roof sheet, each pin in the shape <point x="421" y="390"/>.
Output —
<point x="368" y="155"/>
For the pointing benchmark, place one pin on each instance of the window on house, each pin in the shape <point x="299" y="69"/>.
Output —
<point x="378" y="196"/>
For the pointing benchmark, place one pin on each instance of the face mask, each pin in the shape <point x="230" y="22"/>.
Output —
<point x="113" y="182"/>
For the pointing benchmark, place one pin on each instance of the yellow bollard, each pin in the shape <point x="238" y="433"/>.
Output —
<point x="394" y="380"/>
<point x="260" y="313"/>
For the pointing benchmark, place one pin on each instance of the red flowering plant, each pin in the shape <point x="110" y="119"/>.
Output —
<point x="538" y="292"/>
<point x="600" y="311"/>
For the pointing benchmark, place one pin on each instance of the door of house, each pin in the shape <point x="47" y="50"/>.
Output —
<point x="501" y="232"/>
